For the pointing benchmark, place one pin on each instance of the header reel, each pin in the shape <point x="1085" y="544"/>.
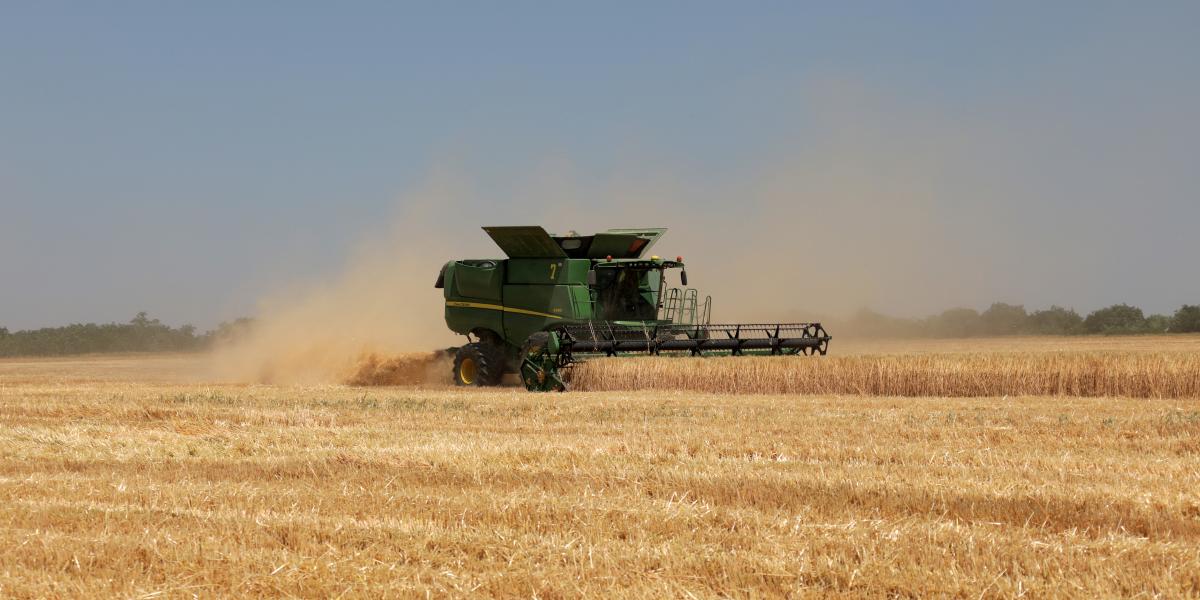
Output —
<point x="547" y="353"/>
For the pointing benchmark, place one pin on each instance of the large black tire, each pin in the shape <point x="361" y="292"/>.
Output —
<point x="497" y="352"/>
<point x="537" y="340"/>
<point x="478" y="364"/>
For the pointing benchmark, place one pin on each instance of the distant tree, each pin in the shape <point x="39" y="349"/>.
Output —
<point x="1186" y="319"/>
<point x="1158" y="324"/>
<point x="1118" y="318"/>
<point x="1055" y="320"/>
<point x="956" y="322"/>
<point x="1003" y="319"/>
<point x="3" y="332"/>
<point x="141" y="334"/>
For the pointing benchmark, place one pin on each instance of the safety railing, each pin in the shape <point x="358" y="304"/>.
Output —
<point x="683" y="307"/>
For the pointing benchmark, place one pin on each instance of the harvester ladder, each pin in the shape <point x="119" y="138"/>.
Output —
<point x="684" y="307"/>
<point x="687" y="310"/>
<point x="671" y="304"/>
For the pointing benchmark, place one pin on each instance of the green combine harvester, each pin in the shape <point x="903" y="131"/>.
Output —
<point x="557" y="300"/>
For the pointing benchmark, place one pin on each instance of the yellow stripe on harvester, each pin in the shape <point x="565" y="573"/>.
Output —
<point x="510" y="309"/>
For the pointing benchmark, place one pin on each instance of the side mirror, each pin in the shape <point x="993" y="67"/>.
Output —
<point x="683" y="278"/>
<point x="591" y="277"/>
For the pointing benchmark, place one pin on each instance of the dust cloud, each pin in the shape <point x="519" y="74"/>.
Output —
<point x="877" y="204"/>
<point x="416" y="368"/>
<point x="360" y="324"/>
<point x="874" y="205"/>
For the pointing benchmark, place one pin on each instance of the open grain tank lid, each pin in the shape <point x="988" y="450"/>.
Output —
<point x="532" y="241"/>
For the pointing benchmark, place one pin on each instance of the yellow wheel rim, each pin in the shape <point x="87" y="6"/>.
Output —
<point x="467" y="371"/>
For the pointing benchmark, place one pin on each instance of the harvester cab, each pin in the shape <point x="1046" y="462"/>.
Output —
<point x="556" y="300"/>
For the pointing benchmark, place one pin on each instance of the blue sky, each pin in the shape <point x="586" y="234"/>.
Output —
<point x="188" y="158"/>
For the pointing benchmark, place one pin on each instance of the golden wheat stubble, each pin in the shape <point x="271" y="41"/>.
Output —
<point x="118" y="487"/>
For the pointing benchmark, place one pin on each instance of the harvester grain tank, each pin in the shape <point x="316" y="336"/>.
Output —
<point x="559" y="299"/>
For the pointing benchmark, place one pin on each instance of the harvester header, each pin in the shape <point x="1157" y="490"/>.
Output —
<point x="558" y="299"/>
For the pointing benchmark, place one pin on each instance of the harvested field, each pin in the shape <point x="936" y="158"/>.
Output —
<point x="416" y="368"/>
<point x="117" y="482"/>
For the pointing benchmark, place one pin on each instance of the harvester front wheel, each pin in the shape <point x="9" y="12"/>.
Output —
<point x="476" y="365"/>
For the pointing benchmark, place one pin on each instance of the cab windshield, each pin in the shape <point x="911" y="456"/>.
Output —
<point x="627" y="294"/>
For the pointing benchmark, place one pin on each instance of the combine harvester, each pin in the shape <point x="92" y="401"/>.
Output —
<point x="557" y="300"/>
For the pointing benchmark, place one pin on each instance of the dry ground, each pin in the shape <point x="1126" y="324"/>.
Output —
<point x="118" y="480"/>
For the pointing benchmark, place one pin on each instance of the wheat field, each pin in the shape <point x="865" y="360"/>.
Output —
<point x="139" y="477"/>
<point x="1133" y="367"/>
<point x="1149" y="375"/>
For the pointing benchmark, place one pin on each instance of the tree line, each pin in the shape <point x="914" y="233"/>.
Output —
<point x="144" y="334"/>
<point x="1013" y="319"/>
<point x="140" y="334"/>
